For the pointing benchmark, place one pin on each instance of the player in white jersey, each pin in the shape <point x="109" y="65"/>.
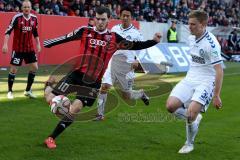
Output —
<point x="121" y="67"/>
<point x="203" y="81"/>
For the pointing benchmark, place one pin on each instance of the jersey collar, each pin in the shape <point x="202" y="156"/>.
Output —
<point x="131" y="26"/>
<point x="204" y="35"/>
<point x="26" y="18"/>
<point x="105" y="31"/>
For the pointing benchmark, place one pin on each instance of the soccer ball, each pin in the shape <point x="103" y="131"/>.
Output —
<point x="60" y="105"/>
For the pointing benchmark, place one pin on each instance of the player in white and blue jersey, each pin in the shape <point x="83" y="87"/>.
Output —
<point x="120" y="70"/>
<point x="203" y="81"/>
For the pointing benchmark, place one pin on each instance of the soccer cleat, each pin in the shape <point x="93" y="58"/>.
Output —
<point x="29" y="94"/>
<point x="145" y="99"/>
<point x="50" y="143"/>
<point x="10" y="95"/>
<point x="99" y="118"/>
<point x="187" y="148"/>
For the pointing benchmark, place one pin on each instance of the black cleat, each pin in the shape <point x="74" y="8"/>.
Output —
<point x="99" y="118"/>
<point x="145" y="99"/>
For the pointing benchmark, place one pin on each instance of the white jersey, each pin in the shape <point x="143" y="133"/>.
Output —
<point x="205" y="53"/>
<point x="122" y="72"/>
<point x="131" y="34"/>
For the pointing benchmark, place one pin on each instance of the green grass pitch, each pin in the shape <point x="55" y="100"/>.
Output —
<point x="128" y="133"/>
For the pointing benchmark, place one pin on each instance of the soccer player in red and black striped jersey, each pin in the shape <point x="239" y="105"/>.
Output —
<point x="97" y="47"/>
<point x="24" y="26"/>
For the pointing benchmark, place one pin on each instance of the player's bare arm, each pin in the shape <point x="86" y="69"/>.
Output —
<point x="5" y="44"/>
<point x="38" y="45"/>
<point x="218" y="85"/>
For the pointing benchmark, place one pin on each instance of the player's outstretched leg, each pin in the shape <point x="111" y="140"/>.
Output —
<point x="65" y="122"/>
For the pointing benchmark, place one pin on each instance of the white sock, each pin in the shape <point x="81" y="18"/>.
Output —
<point x="102" y="98"/>
<point x="136" y="94"/>
<point x="191" y="131"/>
<point x="181" y="113"/>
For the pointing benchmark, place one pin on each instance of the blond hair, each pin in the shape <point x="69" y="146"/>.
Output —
<point x="200" y="15"/>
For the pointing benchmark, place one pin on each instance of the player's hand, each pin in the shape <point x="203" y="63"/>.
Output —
<point x="39" y="48"/>
<point x="157" y="37"/>
<point x="5" y="49"/>
<point x="217" y="102"/>
<point x="135" y="64"/>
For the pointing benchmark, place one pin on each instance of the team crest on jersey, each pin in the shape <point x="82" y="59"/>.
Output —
<point x="89" y="35"/>
<point x="201" y="52"/>
<point x="204" y="55"/>
<point x="32" y="23"/>
<point x="107" y="37"/>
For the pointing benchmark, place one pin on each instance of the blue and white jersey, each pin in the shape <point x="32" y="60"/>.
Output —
<point x="131" y="34"/>
<point x="205" y="52"/>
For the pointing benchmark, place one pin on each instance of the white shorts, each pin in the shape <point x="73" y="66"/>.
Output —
<point x="119" y="73"/>
<point x="187" y="91"/>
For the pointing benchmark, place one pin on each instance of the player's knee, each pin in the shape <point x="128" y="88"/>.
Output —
<point x="76" y="107"/>
<point x="47" y="91"/>
<point x="48" y="96"/>
<point x="48" y="100"/>
<point x="34" y="67"/>
<point x="13" y="70"/>
<point x="170" y="106"/>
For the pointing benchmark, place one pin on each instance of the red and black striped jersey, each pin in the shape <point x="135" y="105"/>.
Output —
<point x="97" y="48"/>
<point x="23" y="28"/>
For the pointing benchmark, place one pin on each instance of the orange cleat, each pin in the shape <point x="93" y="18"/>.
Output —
<point x="50" y="143"/>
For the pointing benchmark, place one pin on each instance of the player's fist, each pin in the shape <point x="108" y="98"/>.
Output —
<point x="157" y="37"/>
<point x="38" y="48"/>
<point x="217" y="102"/>
<point x="135" y="64"/>
<point x="5" y="49"/>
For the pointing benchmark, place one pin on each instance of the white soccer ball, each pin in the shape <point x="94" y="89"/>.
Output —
<point x="60" y="105"/>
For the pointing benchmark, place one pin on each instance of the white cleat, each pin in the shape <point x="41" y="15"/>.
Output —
<point x="187" y="148"/>
<point x="29" y="94"/>
<point x="10" y="95"/>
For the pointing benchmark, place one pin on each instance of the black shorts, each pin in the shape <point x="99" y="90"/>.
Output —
<point x="78" y="83"/>
<point x="18" y="57"/>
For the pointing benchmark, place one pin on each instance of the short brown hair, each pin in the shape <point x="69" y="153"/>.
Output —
<point x="200" y="15"/>
<point x="101" y="10"/>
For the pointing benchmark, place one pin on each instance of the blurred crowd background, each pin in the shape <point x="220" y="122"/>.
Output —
<point x="221" y="12"/>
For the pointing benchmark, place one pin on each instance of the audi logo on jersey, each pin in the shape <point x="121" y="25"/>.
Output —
<point x="97" y="42"/>
<point x="26" y="28"/>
